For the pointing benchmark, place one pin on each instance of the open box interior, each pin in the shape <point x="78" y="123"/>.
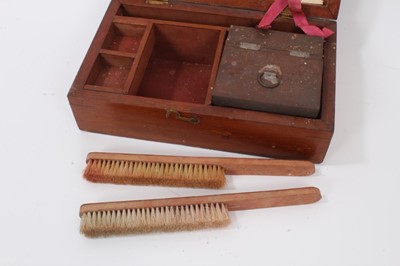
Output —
<point x="171" y="54"/>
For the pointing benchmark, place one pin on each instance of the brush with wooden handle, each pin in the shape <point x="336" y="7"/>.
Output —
<point x="180" y="171"/>
<point x="182" y="214"/>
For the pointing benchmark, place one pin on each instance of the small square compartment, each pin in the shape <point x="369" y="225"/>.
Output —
<point x="109" y="73"/>
<point x="181" y="64"/>
<point x="124" y="37"/>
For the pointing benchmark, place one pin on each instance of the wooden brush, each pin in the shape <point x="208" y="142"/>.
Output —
<point x="182" y="214"/>
<point x="178" y="171"/>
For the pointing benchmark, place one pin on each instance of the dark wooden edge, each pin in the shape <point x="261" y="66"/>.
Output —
<point x="329" y="82"/>
<point x="143" y="53"/>
<point x="329" y="10"/>
<point x="117" y="53"/>
<point x="103" y="88"/>
<point x="333" y="6"/>
<point x="134" y="20"/>
<point x="217" y="58"/>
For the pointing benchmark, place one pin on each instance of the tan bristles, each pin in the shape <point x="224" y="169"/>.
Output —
<point x="153" y="173"/>
<point x="156" y="219"/>
<point x="183" y="213"/>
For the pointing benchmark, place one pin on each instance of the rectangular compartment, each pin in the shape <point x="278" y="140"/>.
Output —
<point x="181" y="64"/>
<point x="124" y="37"/>
<point x="109" y="73"/>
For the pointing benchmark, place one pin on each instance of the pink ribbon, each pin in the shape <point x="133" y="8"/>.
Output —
<point x="299" y="18"/>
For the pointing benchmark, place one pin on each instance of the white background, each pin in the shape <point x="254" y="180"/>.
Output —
<point x="42" y="44"/>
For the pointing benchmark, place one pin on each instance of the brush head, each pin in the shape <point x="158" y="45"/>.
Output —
<point x="156" y="219"/>
<point x="154" y="173"/>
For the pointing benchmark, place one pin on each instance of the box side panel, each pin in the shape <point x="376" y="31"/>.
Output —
<point x="102" y="115"/>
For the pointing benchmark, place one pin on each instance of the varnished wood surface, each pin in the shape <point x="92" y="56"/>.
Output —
<point x="234" y="202"/>
<point x="219" y="128"/>
<point x="232" y="166"/>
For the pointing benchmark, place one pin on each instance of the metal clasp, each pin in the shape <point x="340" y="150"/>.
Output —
<point x="191" y="120"/>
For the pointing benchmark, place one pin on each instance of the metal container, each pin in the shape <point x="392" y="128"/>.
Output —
<point x="270" y="71"/>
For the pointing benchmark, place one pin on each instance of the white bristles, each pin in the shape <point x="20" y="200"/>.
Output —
<point x="153" y="173"/>
<point x="172" y="218"/>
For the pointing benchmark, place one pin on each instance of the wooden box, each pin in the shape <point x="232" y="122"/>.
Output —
<point x="152" y="66"/>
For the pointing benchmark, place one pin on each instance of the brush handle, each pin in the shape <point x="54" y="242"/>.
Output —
<point x="234" y="202"/>
<point x="232" y="166"/>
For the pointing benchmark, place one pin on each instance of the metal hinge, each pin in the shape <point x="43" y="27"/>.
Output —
<point x="157" y="2"/>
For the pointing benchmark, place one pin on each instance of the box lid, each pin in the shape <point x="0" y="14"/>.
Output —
<point x="327" y="9"/>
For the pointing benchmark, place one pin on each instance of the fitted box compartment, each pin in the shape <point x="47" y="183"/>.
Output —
<point x="109" y="73"/>
<point x="150" y="108"/>
<point x="124" y="37"/>
<point x="181" y="64"/>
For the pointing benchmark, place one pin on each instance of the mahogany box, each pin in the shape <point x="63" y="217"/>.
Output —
<point x="152" y="68"/>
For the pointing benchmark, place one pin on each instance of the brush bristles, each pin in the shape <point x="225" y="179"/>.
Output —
<point x="152" y="173"/>
<point x="157" y="219"/>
